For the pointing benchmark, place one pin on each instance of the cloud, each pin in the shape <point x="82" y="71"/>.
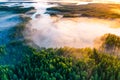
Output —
<point x="76" y="32"/>
<point x="46" y="31"/>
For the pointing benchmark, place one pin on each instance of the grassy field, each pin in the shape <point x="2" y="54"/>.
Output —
<point x="97" y="10"/>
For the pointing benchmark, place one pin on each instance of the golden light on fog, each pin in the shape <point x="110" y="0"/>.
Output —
<point x="117" y="11"/>
<point x="115" y="0"/>
<point x="76" y="1"/>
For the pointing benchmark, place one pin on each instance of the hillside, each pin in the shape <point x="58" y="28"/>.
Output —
<point x="97" y="10"/>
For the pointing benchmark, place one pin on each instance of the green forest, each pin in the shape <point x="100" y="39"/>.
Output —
<point x="60" y="63"/>
<point x="20" y="61"/>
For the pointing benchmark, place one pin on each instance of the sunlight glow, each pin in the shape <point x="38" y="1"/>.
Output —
<point x="115" y="0"/>
<point x="80" y="2"/>
<point x="117" y="11"/>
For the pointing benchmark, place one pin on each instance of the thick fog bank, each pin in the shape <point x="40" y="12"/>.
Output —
<point x="79" y="32"/>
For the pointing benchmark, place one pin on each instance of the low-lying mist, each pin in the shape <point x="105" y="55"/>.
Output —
<point x="46" y="31"/>
<point x="8" y="20"/>
<point x="72" y="32"/>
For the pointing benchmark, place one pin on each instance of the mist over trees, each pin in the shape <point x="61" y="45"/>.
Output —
<point x="21" y="61"/>
<point x="109" y="43"/>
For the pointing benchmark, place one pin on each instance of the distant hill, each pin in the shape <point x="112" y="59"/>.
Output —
<point x="97" y="10"/>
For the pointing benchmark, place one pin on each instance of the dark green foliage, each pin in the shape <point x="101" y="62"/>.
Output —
<point x="47" y="64"/>
<point x="2" y="50"/>
<point x="17" y="31"/>
<point x="12" y="51"/>
<point x="97" y="10"/>
<point x="110" y="43"/>
<point x="16" y="9"/>
<point x="21" y="62"/>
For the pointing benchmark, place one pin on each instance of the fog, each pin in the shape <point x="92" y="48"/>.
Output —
<point x="46" y="31"/>
<point x="8" y="20"/>
<point x="67" y="32"/>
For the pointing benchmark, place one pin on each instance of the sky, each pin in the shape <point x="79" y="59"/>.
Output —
<point x="68" y="0"/>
